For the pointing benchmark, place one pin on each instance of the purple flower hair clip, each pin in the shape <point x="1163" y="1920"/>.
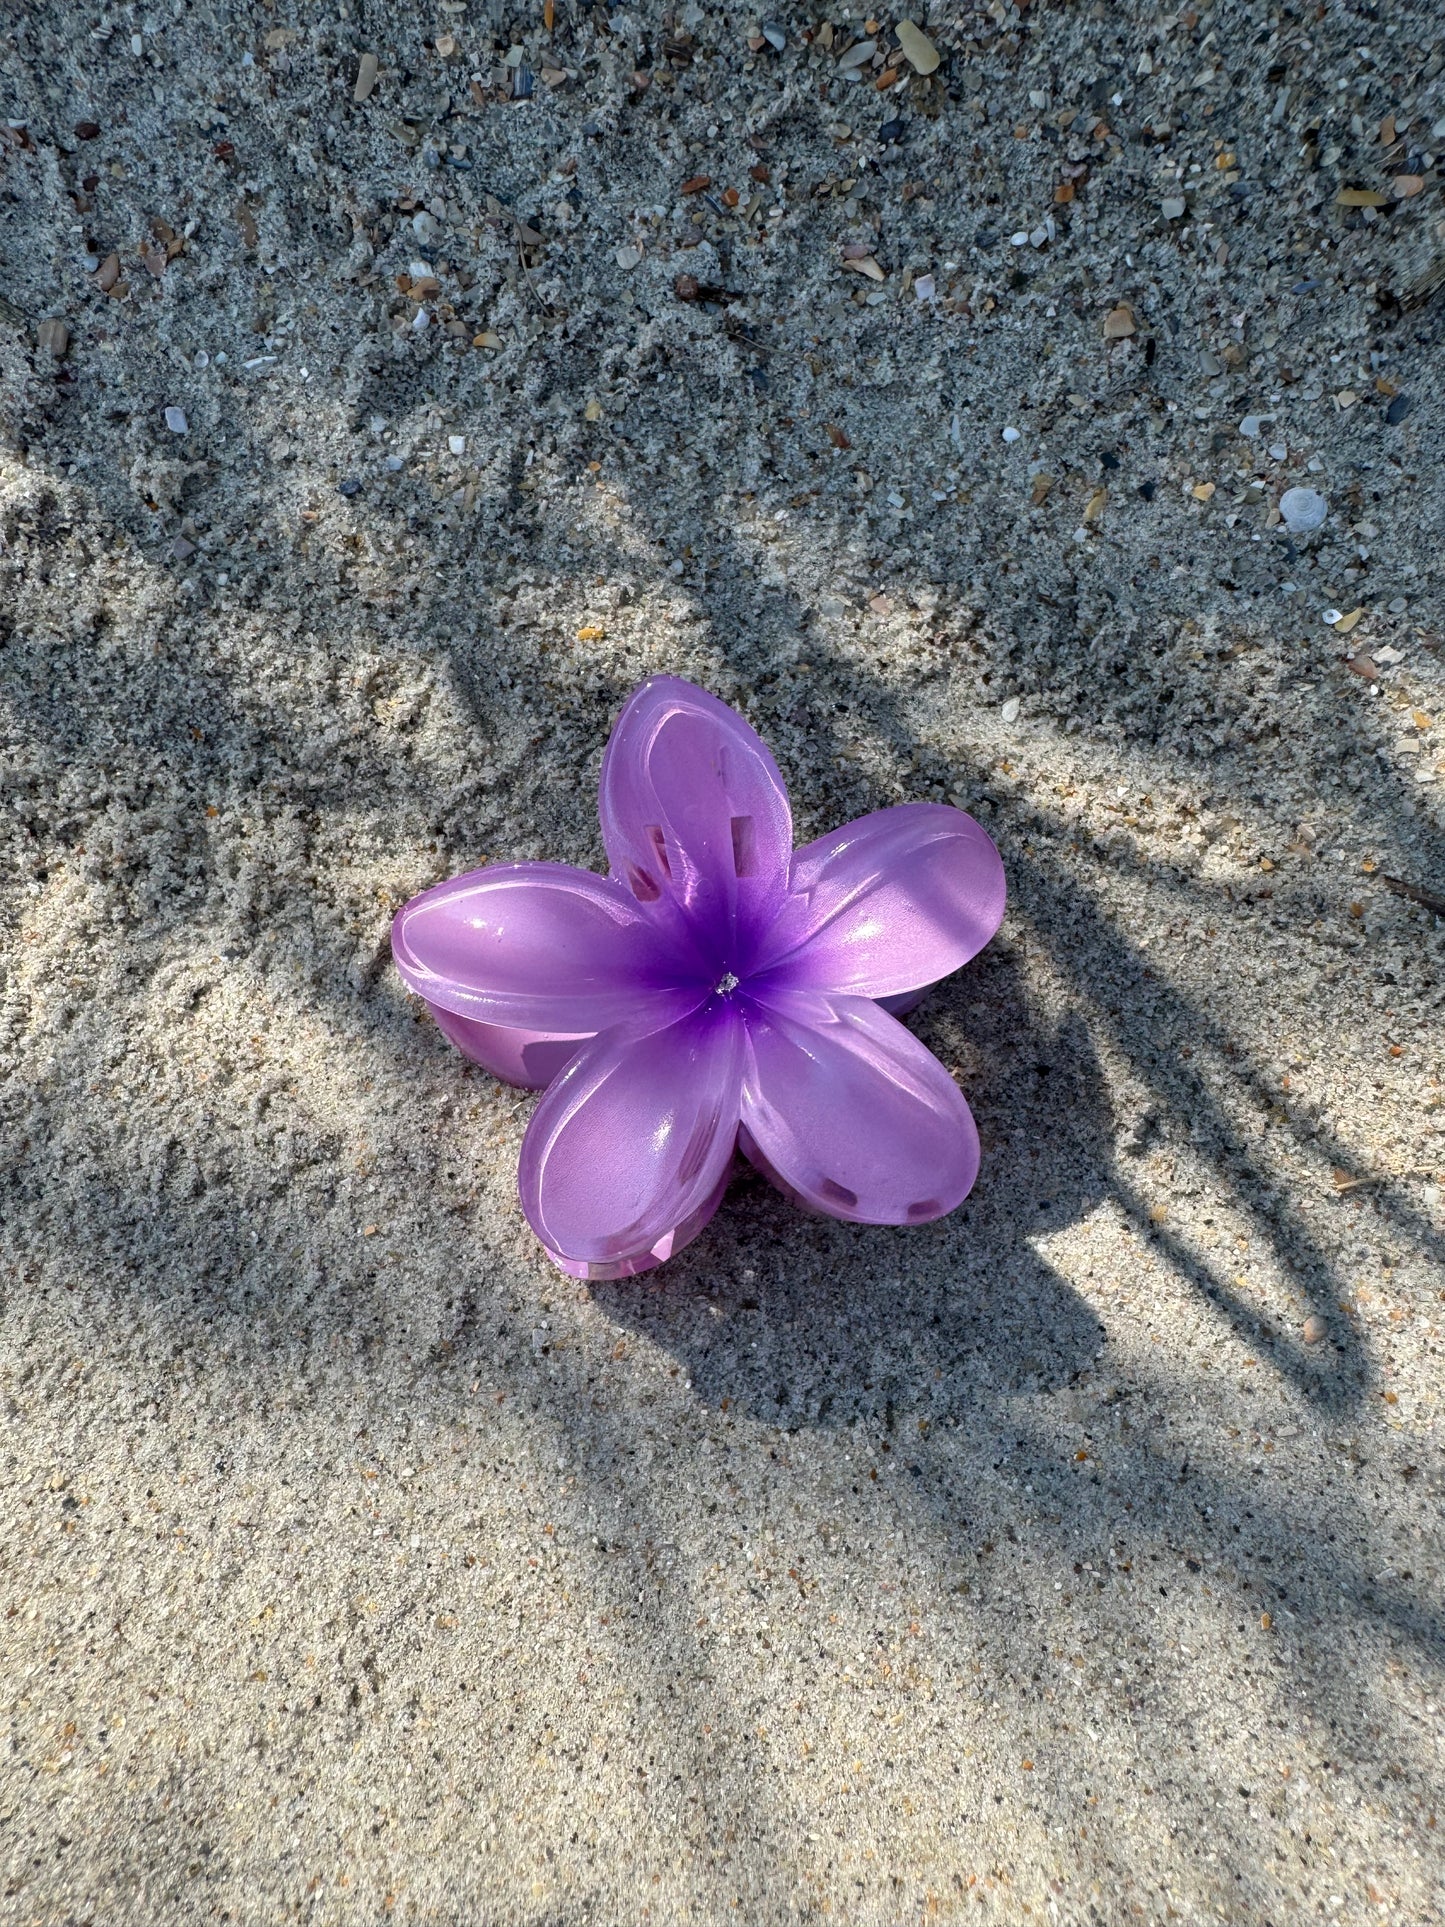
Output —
<point x="719" y="991"/>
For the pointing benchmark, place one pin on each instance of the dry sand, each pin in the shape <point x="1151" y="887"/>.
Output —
<point x="1047" y="1564"/>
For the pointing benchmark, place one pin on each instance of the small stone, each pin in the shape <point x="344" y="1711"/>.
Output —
<point x="858" y="55"/>
<point x="1019" y="238"/>
<point x="1012" y="434"/>
<point x="1173" y="207"/>
<point x="425" y="227"/>
<point x="918" y="50"/>
<point x="1315" y="1328"/>
<point x="1399" y="408"/>
<point x="924" y="289"/>
<point x="1406" y="186"/>
<point x="53" y="337"/>
<point x="182" y="547"/>
<point x="349" y="487"/>
<point x="891" y="132"/>
<point x="176" y="421"/>
<point x="1331" y="616"/>
<point x="1118" y="323"/>
<point x="1303" y="510"/>
<point x="393" y="464"/>
<point x="457" y="444"/>
<point x="628" y="258"/>
<point x="87" y="130"/>
<point x="775" y="35"/>
<point x="1278" y="452"/>
<point x="1010" y="711"/>
<point x="1252" y="426"/>
<point x="365" y="76"/>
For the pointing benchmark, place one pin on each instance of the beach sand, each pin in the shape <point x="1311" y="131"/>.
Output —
<point x="1074" y="1559"/>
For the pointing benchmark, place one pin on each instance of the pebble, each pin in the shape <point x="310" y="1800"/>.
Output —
<point x="176" y="421"/>
<point x="858" y="55"/>
<point x="918" y="50"/>
<point x="1315" y="1328"/>
<point x="1252" y="426"/>
<point x="1303" y="510"/>
<point x="1010" y="711"/>
<point x="425" y="226"/>
<point x="349" y="487"/>
<point x="394" y="464"/>
<point x="1278" y="452"/>
<point x="365" y="76"/>
<point x="1012" y="434"/>
<point x="775" y="35"/>
<point x="628" y="257"/>
<point x="457" y="444"/>
<point x="54" y="337"/>
<point x="1172" y="207"/>
<point x="1399" y="408"/>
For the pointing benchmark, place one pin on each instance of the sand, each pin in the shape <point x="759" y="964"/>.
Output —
<point x="1076" y="1559"/>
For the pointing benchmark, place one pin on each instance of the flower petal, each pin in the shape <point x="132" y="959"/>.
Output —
<point x="889" y="903"/>
<point x="531" y="1058"/>
<point x="695" y="815"/>
<point x="847" y="1110"/>
<point x="633" y="1141"/>
<point x="538" y="947"/>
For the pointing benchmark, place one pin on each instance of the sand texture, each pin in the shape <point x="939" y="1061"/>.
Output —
<point x="1077" y="1559"/>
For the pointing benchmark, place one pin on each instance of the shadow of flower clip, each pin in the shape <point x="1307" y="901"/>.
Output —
<point x="717" y="991"/>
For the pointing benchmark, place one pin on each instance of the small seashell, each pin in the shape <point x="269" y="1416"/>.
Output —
<point x="1303" y="510"/>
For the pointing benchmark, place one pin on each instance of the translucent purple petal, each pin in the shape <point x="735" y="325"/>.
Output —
<point x="845" y="1109"/>
<point x="888" y="904"/>
<point x="541" y="948"/>
<point x="633" y="1142"/>
<point x="695" y="817"/>
<point x="531" y="1058"/>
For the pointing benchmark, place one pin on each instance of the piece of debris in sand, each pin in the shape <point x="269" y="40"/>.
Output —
<point x="918" y="50"/>
<point x="53" y="337"/>
<point x="1304" y="510"/>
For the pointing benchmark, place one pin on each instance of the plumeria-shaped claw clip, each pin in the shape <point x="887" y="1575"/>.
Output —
<point x="718" y="991"/>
